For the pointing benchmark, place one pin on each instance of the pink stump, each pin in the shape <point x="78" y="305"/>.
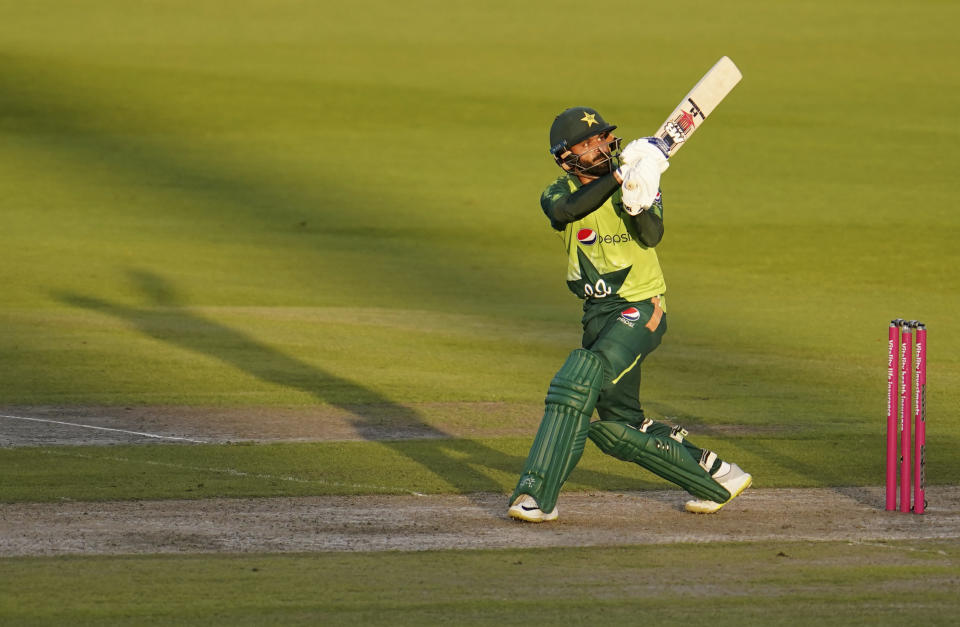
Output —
<point x="905" y="468"/>
<point x="892" y="346"/>
<point x="920" y="421"/>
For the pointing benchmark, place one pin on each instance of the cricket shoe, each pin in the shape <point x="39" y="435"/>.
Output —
<point x="526" y="508"/>
<point x="734" y="480"/>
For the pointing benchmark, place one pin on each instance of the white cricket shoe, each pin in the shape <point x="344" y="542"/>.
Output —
<point x="734" y="480"/>
<point x="526" y="508"/>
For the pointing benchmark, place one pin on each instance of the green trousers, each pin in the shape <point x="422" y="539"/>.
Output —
<point x="617" y="338"/>
<point x="623" y="337"/>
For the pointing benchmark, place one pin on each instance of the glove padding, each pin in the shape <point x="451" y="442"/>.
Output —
<point x="641" y="184"/>
<point x="645" y="148"/>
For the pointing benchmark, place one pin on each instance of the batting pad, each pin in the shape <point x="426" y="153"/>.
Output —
<point x="562" y="435"/>
<point x="663" y="456"/>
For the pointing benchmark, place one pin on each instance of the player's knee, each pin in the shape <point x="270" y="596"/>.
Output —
<point x="578" y="382"/>
<point x="611" y="438"/>
<point x="665" y="455"/>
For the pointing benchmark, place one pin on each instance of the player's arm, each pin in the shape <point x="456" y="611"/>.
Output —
<point x="644" y="162"/>
<point x="648" y="224"/>
<point x="563" y="206"/>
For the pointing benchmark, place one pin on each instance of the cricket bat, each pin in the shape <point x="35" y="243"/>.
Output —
<point x="698" y="104"/>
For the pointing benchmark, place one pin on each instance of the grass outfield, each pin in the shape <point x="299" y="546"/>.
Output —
<point x="281" y="203"/>
<point x="786" y="583"/>
<point x="210" y="205"/>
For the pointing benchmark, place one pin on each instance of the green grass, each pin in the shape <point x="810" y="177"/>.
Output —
<point x="786" y="583"/>
<point x="169" y="167"/>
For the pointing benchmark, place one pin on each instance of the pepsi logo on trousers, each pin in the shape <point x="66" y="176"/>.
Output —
<point x="631" y="314"/>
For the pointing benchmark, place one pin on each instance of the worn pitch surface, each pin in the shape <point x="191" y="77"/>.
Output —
<point x="475" y="521"/>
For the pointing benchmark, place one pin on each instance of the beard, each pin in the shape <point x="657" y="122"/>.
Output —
<point x="602" y="163"/>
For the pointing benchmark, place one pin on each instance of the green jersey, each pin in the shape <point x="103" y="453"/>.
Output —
<point x="607" y="257"/>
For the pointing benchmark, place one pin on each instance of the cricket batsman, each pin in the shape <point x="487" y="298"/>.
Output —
<point x="607" y="208"/>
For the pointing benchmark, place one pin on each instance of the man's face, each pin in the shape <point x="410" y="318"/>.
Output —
<point x="593" y="155"/>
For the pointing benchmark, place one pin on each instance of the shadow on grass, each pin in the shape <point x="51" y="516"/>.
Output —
<point x="464" y="464"/>
<point x="48" y="104"/>
<point x="50" y="107"/>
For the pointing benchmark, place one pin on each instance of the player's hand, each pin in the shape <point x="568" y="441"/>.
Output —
<point x="641" y="184"/>
<point x="646" y="148"/>
<point x="652" y="147"/>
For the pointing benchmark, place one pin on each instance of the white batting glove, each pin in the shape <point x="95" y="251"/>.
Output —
<point x="641" y="183"/>
<point x="644" y="148"/>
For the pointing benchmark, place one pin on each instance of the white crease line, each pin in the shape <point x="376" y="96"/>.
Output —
<point x="897" y="547"/>
<point x="234" y="472"/>
<point x="74" y="424"/>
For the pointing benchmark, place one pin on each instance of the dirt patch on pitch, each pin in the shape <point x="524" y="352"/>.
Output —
<point x="65" y="426"/>
<point x="477" y="521"/>
<point x="51" y="426"/>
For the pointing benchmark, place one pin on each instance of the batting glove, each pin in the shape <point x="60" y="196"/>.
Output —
<point x="645" y="148"/>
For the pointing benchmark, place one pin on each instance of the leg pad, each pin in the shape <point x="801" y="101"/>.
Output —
<point x="662" y="455"/>
<point x="562" y="435"/>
